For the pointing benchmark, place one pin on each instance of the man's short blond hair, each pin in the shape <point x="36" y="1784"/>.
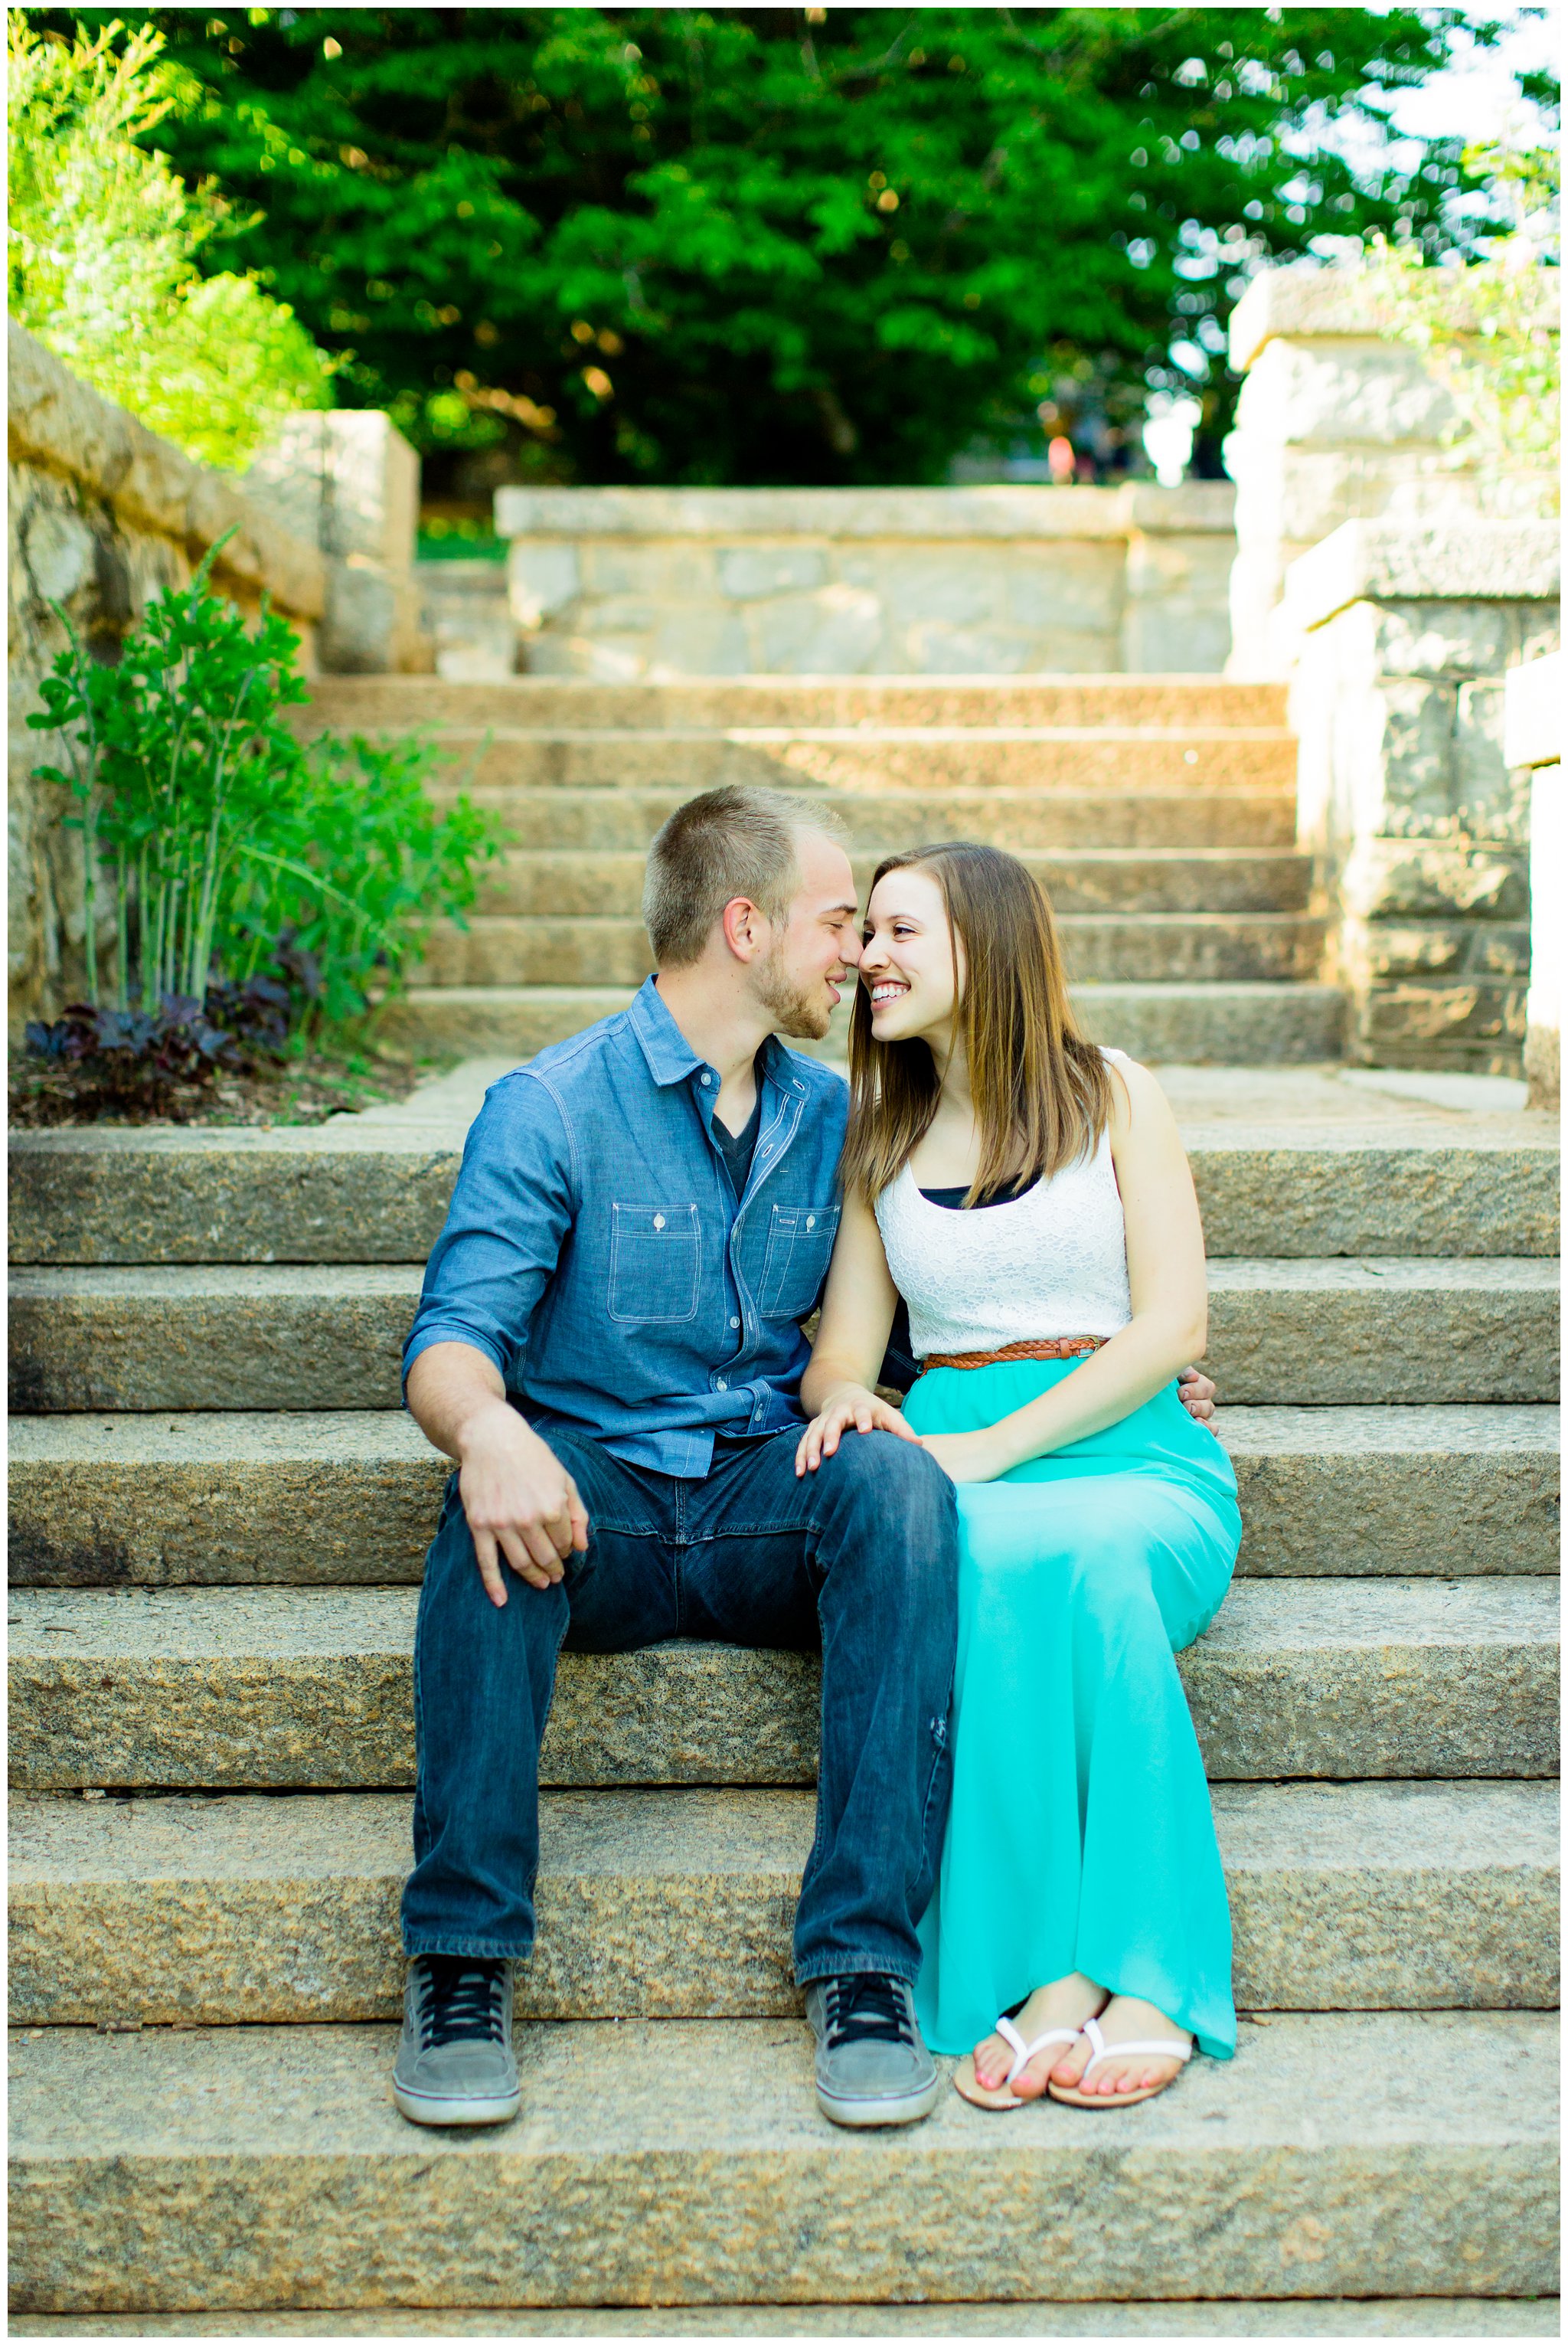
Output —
<point x="731" y="841"/>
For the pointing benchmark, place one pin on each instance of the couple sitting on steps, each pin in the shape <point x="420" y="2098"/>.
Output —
<point x="1012" y="1813"/>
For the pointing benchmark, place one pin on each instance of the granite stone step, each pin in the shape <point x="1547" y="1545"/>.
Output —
<point x="1281" y="1333"/>
<point x="560" y="883"/>
<point x="717" y="704"/>
<point x="1098" y="949"/>
<point x="343" y="1497"/>
<point x="685" y="2161"/>
<point x="810" y="759"/>
<point x="1222" y="1025"/>
<point x="1357" y="2317"/>
<point x="563" y="820"/>
<point x="309" y="1688"/>
<point x="680" y="1903"/>
<point x="366" y="1192"/>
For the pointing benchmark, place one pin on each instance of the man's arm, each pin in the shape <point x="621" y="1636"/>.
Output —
<point x="510" y="1209"/>
<point x="520" y="1502"/>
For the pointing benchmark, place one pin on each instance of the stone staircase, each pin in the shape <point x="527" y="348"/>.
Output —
<point x="219" y="1518"/>
<point x="1160" y="811"/>
<point x="211" y="1744"/>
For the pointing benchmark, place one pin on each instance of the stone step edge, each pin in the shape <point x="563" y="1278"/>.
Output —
<point x="697" y="2168"/>
<point x="351" y="1495"/>
<point x="680" y="1903"/>
<point x="1345" y="2317"/>
<point x="194" y="1688"/>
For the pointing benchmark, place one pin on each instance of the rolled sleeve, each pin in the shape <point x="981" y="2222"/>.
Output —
<point x="510" y="1215"/>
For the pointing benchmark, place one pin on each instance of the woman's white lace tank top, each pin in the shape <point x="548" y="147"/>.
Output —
<point x="1052" y="1262"/>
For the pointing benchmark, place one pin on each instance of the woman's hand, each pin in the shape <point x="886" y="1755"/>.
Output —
<point x="969" y="1457"/>
<point x="853" y="1408"/>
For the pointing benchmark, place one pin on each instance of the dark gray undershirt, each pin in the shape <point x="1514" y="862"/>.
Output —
<point x="738" y="1148"/>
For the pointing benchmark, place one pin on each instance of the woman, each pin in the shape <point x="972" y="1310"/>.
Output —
<point x="1028" y="1196"/>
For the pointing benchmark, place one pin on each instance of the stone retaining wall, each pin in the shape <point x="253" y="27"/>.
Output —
<point x="1420" y="828"/>
<point x="621" y="584"/>
<point x="104" y="515"/>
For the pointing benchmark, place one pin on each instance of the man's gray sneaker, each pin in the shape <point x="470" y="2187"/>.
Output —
<point x="872" y="2066"/>
<point x="455" y="2063"/>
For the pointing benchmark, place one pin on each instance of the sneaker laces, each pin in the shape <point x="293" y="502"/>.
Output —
<point x="461" y="2001"/>
<point x="868" y="2007"/>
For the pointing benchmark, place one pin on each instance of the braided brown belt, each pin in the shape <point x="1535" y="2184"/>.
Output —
<point x="1043" y="1347"/>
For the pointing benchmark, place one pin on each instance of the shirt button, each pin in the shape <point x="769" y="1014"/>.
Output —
<point x="734" y="1323"/>
<point x="719" y="1385"/>
<point x="706" y="1081"/>
<point x="811" y="1221"/>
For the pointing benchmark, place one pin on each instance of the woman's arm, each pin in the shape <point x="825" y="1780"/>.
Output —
<point x="1169" y="1323"/>
<point x="851" y="1341"/>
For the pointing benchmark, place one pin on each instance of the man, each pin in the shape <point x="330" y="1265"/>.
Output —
<point x="609" y="1345"/>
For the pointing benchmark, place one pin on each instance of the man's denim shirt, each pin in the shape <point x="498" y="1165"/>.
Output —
<point x="595" y="1252"/>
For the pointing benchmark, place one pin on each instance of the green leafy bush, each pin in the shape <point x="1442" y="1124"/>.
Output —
<point x="1487" y="331"/>
<point x="102" y="251"/>
<point x="228" y="849"/>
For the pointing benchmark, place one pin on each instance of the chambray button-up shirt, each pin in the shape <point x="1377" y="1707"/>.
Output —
<point x="596" y="1252"/>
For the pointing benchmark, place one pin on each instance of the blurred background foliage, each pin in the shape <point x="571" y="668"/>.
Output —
<point x="674" y="245"/>
<point x="105" y="246"/>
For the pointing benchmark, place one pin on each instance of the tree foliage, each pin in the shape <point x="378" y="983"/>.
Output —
<point x="103" y="246"/>
<point x="749" y="245"/>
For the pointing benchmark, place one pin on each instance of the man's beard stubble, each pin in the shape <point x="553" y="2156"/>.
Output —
<point x="804" y="1013"/>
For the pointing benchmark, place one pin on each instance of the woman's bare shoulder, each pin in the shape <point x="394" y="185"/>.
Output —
<point x="1136" y="1097"/>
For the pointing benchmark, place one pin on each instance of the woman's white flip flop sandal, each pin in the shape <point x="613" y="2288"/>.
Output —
<point x="1022" y="2055"/>
<point x="1147" y="2048"/>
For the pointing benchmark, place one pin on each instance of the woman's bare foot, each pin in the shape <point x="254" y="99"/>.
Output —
<point x="981" y="2076"/>
<point x="1126" y="2020"/>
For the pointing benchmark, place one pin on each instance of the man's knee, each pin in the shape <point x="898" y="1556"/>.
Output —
<point x="883" y="1466"/>
<point x="897" y="1505"/>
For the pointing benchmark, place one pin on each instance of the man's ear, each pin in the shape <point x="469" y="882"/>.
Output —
<point x="746" y="930"/>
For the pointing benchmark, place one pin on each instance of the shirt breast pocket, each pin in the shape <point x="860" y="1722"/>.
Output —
<point x="655" y="1260"/>
<point x="799" y="1243"/>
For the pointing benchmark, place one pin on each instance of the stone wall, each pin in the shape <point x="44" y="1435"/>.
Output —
<point x="1337" y="424"/>
<point x="656" y="582"/>
<point x="1532" y="746"/>
<point x="1420" y="829"/>
<point x="349" y="483"/>
<point x="104" y="515"/>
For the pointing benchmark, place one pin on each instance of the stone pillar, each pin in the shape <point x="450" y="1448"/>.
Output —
<point x="1533" y="743"/>
<point x="1335" y="423"/>
<point x="1420" y="833"/>
<point x="349" y="482"/>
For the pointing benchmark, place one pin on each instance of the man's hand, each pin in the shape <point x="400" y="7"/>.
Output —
<point x="1196" y="1392"/>
<point x="853" y="1408"/>
<point x="520" y="1502"/>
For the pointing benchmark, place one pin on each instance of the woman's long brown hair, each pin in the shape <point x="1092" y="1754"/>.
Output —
<point x="1041" y="1093"/>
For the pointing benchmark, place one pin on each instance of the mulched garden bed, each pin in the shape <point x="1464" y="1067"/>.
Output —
<point x="299" y="1091"/>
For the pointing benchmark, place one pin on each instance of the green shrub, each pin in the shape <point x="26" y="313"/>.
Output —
<point x="101" y="245"/>
<point x="225" y="845"/>
<point x="1486" y="331"/>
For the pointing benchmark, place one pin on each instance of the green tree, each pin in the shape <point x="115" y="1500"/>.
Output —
<point x="103" y="246"/>
<point x="747" y="245"/>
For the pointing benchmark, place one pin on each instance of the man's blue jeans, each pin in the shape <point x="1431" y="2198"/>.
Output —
<point x="863" y="1554"/>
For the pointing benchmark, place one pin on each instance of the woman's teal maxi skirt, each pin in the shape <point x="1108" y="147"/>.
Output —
<point x="1080" y="1836"/>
